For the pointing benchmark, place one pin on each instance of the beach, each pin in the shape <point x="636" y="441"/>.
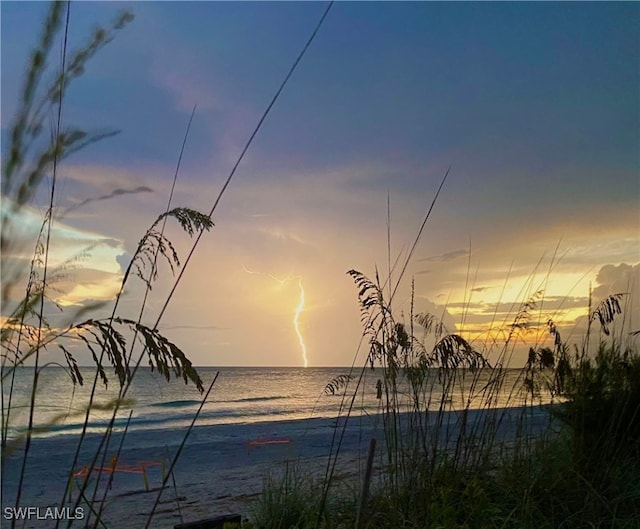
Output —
<point x="221" y="469"/>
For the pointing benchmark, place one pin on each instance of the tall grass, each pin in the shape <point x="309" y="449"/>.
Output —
<point x="469" y="444"/>
<point x="116" y="344"/>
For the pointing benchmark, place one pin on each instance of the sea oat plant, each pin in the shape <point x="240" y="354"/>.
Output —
<point x="468" y="443"/>
<point x="28" y="336"/>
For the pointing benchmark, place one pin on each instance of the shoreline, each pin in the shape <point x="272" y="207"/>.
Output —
<point x="220" y="469"/>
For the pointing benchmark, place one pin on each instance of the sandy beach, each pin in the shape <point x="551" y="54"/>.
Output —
<point x="221" y="469"/>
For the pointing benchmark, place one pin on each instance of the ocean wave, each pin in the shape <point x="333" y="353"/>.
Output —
<point x="175" y="404"/>
<point x="68" y="427"/>
<point x="259" y="399"/>
<point x="142" y="421"/>
<point x="187" y="403"/>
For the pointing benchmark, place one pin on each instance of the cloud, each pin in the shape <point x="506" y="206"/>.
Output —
<point x="546" y="304"/>
<point x="67" y="243"/>
<point x="115" y="193"/>
<point x="110" y="180"/>
<point x="426" y="306"/>
<point x="619" y="279"/>
<point x="281" y="235"/>
<point x="194" y="327"/>
<point x="123" y="260"/>
<point x="86" y="284"/>
<point x="82" y="264"/>
<point x="614" y="279"/>
<point x="446" y="257"/>
<point x="317" y="224"/>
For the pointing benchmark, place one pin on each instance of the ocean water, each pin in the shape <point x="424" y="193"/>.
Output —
<point x="239" y="396"/>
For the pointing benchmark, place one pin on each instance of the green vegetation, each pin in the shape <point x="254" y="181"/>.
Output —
<point x="573" y="463"/>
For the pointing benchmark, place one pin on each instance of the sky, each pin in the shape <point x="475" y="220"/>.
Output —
<point x="534" y="109"/>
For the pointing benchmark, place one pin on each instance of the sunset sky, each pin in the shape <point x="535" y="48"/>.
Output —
<point x="535" y="107"/>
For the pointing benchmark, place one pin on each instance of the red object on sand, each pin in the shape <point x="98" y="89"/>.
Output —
<point x="140" y="468"/>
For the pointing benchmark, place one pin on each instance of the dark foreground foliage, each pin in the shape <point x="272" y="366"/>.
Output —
<point x="580" y="471"/>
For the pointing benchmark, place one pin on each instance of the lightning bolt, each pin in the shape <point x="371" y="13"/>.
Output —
<point x="296" y="322"/>
<point x="249" y="271"/>
<point x="298" y="311"/>
<point x="280" y="281"/>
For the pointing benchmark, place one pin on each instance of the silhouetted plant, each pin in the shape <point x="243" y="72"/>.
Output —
<point x="338" y="383"/>
<point x="26" y="333"/>
<point x="478" y="477"/>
